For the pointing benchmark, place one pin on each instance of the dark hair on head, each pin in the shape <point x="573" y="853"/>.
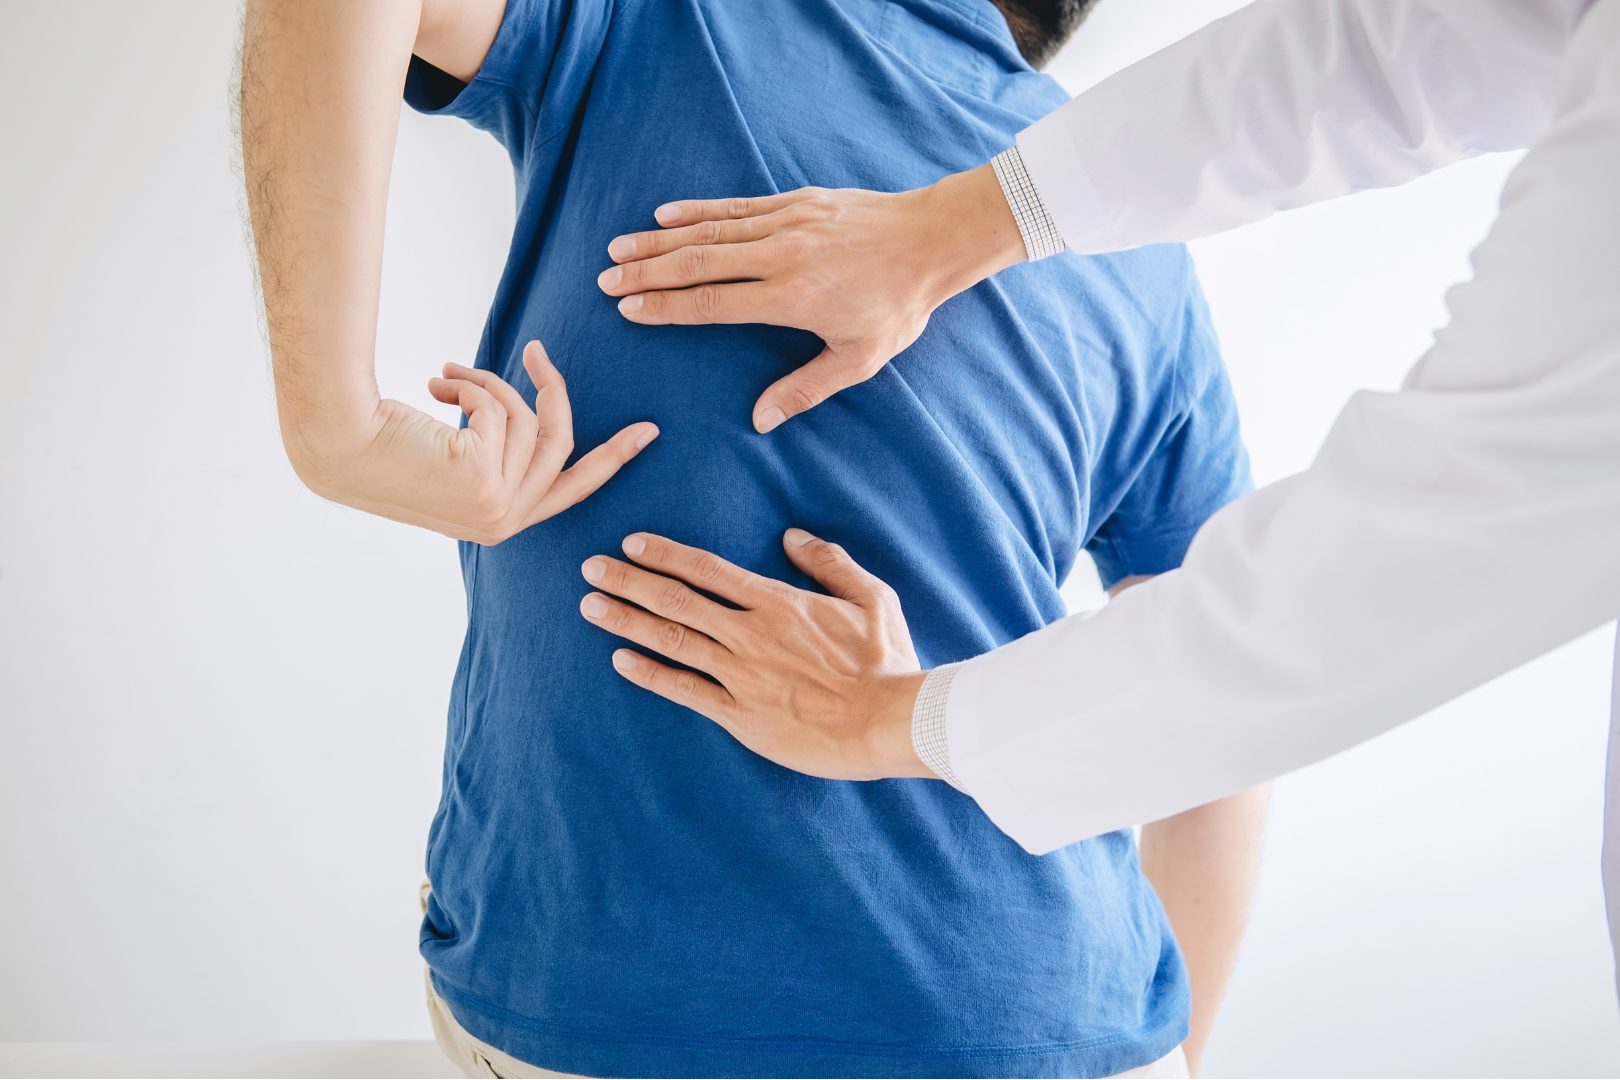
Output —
<point x="1042" y="27"/>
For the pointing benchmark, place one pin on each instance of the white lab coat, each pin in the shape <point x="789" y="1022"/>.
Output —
<point x="1445" y="533"/>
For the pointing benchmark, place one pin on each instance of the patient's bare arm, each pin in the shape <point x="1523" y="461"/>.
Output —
<point x="320" y="100"/>
<point x="1203" y="863"/>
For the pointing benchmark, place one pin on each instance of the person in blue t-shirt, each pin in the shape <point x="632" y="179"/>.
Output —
<point x="618" y="886"/>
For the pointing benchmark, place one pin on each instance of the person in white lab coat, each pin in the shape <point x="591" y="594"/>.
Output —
<point x="1445" y="534"/>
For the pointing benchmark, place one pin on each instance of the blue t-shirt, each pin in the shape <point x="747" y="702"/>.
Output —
<point x="619" y="888"/>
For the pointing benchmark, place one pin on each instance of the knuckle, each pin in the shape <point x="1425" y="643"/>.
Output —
<point x="737" y="207"/>
<point x="673" y="597"/>
<point x="706" y="302"/>
<point x="828" y="553"/>
<point x="615" y="577"/>
<point x="708" y="232"/>
<point x="707" y="569"/>
<point x="793" y="247"/>
<point x="693" y="261"/>
<point x="804" y="395"/>
<point x="687" y="685"/>
<point x="671" y="638"/>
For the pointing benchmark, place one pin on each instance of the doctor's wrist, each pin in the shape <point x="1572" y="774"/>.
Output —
<point x="889" y="750"/>
<point x="969" y="228"/>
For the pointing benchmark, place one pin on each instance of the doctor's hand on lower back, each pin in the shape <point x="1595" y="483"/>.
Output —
<point x="822" y="684"/>
<point x="862" y="270"/>
<point x="497" y="476"/>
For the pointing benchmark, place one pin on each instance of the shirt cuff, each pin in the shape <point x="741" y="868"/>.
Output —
<point x="928" y="736"/>
<point x="1035" y="224"/>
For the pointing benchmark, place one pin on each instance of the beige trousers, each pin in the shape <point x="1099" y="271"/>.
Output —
<point x="477" y="1058"/>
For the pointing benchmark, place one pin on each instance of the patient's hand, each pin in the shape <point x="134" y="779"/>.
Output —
<point x="497" y="476"/>
<point x="821" y="684"/>
<point x="862" y="269"/>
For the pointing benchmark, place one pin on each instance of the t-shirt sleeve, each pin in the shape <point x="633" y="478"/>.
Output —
<point x="537" y="42"/>
<point x="1198" y="465"/>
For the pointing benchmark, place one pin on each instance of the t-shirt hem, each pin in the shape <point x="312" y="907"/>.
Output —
<point x="606" y="1054"/>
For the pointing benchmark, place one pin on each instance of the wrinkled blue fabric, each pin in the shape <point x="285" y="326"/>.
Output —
<point x="619" y="888"/>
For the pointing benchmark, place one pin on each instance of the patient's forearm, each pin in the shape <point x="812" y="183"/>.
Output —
<point x="1203" y="864"/>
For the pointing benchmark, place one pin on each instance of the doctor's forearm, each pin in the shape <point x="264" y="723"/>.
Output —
<point x="1288" y="102"/>
<point x="1444" y="535"/>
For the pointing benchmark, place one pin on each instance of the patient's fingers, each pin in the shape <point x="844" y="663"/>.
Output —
<point x="682" y="687"/>
<point x="659" y="595"/>
<point x="688" y="211"/>
<point x="675" y="641"/>
<point x="646" y="245"/>
<point x="591" y="471"/>
<point x="704" y="569"/>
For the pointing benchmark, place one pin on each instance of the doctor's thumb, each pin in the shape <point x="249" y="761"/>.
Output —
<point x="831" y="565"/>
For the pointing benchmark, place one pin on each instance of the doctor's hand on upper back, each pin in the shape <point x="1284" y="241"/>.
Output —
<point x="821" y="684"/>
<point x="863" y="270"/>
<point x="497" y="476"/>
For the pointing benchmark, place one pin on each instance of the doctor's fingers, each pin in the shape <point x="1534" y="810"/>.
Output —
<point x="804" y="388"/>
<point x="682" y="687"/>
<point x="741" y="302"/>
<point x="633" y="247"/>
<point x="706" y="570"/>
<point x="696" y="265"/>
<point x="679" y="643"/>
<point x="660" y="595"/>
<point x="688" y="211"/>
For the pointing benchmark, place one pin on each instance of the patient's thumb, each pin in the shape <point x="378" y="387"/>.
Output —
<point x="831" y="566"/>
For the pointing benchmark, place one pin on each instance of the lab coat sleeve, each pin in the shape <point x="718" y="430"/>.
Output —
<point x="1445" y="534"/>
<point x="1288" y="102"/>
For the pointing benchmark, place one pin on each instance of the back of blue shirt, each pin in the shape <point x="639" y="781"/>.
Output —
<point x="619" y="888"/>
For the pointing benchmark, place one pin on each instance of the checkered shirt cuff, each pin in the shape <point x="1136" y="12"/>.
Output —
<point x="1035" y="225"/>
<point x="928" y="724"/>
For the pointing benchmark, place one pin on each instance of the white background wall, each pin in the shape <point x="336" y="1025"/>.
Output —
<point x="222" y="701"/>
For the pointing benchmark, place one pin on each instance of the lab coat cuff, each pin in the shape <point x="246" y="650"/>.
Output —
<point x="1012" y="811"/>
<point x="1058" y="174"/>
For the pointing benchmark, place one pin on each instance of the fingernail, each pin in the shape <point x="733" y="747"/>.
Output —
<point x="796" y="538"/>
<point x="624" y="660"/>
<point x="647" y="436"/>
<point x="622" y="247"/>
<point x="593" y="569"/>
<point x="593" y="606"/>
<point x="609" y="278"/>
<point x="630" y="305"/>
<point x="668" y="214"/>
<point x="634" y="545"/>
<point x="768" y="419"/>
